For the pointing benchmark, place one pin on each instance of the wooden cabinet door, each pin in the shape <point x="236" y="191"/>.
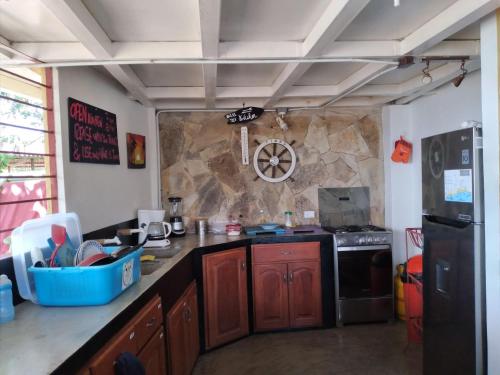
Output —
<point x="225" y="296"/>
<point x="183" y="333"/>
<point x="177" y="338"/>
<point x="152" y="355"/>
<point x="304" y="288"/>
<point x="270" y="296"/>
<point x="192" y="327"/>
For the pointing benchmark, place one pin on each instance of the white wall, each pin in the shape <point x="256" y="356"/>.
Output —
<point x="442" y="112"/>
<point x="491" y="154"/>
<point x="104" y="195"/>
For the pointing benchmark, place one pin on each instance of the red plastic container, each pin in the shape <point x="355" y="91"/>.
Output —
<point x="413" y="299"/>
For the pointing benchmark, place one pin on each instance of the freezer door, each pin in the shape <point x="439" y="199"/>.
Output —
<point x="452" y="175"/>
<point x="453" y="303"/>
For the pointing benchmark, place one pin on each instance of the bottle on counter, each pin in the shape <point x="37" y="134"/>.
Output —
<point x="6" y="301"/>
<point x="288" y="219"/>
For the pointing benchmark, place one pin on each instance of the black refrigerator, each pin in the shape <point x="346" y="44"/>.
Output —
<point x="453" y="259"/>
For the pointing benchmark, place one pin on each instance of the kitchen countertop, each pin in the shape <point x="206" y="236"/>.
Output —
<point x="41" y="338"/>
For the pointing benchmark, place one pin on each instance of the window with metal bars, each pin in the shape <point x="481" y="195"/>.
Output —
<point x="28" y="180"/>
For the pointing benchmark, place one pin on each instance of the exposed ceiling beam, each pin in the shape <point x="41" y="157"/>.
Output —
<point x="6" y="49"/>
<point x="453" y="19"/>
<point x="210" y="30"/>
<point x="260" y="49"/>
<point x="76" y="17"/>
<point x="440" y="76"/>
<point x="361" y="101"/>
<point x="338" y="15"/>
<point x="360" y="78"/>
<point x="147" y="51"/>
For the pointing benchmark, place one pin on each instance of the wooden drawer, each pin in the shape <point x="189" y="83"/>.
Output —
<point x="104" y="362"/>
<point x="148" y="321"/>
<point x="285" y="252"/>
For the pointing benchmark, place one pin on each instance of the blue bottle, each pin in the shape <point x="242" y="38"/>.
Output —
<point x="6" y="303"/>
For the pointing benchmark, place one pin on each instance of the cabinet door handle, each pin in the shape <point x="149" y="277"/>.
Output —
<point x="285" y="252"/>
<point x="132" y="335"/>
<point x="243" y="266"/>
<point x="151" y="322"/>
<point x="284" y="277"/>
<point x="290" y="277"/>
<point x="161" y="335"/>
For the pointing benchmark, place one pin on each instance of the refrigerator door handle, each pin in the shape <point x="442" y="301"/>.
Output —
<point x="447" y="221"/>
<point x="442" y="276"/>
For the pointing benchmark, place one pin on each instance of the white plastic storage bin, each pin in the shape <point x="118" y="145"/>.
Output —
<point x="34" y="233"/>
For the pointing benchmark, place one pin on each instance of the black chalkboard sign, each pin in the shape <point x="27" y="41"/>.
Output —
<point x="92" y="134"/>
<point x="244" y="115"/>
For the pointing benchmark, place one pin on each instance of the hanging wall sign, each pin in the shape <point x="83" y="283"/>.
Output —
<point x="244" y="115"/>
<point x="92" y="134"/>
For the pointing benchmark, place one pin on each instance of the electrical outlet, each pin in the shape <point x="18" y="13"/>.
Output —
<point x="308" y="214"/>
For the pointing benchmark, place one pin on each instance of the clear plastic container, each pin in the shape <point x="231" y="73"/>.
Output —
<point x="34" y="234"/>
<point x="6" y="301"/>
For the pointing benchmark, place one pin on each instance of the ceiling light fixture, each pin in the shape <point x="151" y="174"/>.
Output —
<point x="396" y="3"/>
<point x="426" y="77"/>
<point x="458" y="80"/>
<point x="280" y="118"/>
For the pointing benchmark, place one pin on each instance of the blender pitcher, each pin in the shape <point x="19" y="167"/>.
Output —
<point x="175" y="214"/>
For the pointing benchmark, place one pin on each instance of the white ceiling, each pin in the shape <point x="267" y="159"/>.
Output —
<point x="151" y="41"/>
<point x="247" y="75"/>
<point x="182" y="75"/>
<point x="380" y="20"/>
<point x="469" y="33"/>
<point x="269" y="20"/>
<point x="36" y="25"/>
<point x="404" y="74"/>
<point x="328" y="73"/>
<point x="147" y="20"/>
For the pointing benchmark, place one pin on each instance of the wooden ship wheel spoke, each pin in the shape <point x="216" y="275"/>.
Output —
<point x="274" y="160"/>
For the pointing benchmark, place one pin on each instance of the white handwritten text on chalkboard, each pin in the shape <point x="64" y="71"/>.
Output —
<point x="92" y="134"/>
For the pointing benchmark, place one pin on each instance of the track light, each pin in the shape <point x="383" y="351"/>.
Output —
<point x="426" y="76"/>
<point x="458" y="80"/>
<point x="280" y="119"/>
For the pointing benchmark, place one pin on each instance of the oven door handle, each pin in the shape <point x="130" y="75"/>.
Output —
<point x="363" y="247"/>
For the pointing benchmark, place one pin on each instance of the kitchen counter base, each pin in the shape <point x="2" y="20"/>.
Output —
<point x="62" y="339"/>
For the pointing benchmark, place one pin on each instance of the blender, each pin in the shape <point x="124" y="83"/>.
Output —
<point x="176" y="216"/>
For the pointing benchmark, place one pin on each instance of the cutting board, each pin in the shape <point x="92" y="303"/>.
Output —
<point x="258" y="230"/>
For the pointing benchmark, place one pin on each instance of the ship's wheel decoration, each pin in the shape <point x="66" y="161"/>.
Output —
<point x="274" y="160"/>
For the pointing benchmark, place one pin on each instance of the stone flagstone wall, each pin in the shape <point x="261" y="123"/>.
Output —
<point x="201" y="162"/>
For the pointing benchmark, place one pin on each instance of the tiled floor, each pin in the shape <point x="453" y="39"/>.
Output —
<point x="372" y="349"/>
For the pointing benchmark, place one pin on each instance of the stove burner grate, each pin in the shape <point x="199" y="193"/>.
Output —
<point x="354" y="229"/>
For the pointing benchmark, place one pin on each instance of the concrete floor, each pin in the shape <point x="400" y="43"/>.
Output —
<point x="371" y="349"/>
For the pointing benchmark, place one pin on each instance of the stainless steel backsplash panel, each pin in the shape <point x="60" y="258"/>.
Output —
<point x="344" y="206"/>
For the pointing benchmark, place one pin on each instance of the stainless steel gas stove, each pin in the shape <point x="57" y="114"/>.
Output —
<point x="363" y="273"/>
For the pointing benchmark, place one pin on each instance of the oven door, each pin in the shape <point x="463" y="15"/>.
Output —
<point x="364" y="271"/>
